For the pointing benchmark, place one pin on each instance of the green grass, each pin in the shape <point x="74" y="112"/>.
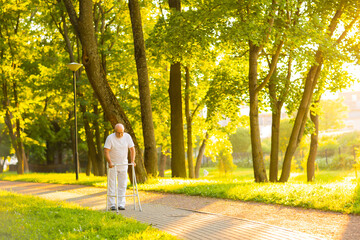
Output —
<point x="28" y="217"/>
<point x="60" y="178"/>
<point x="333" y="190"/>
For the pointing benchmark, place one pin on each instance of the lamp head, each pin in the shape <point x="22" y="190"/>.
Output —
<point x="74" y="66"/>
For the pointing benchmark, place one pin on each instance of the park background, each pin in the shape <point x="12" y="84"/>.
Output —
<point x="214" y="79"/>
<point x="198" y="85"/>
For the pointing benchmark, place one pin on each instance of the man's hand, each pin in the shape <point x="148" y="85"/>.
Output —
<point x="111" y="165"/>
<point x="132" y="155"/>
<point x="107" y="157"/>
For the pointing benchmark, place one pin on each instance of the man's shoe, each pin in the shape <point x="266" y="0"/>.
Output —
<point x="121" y="208"/>
<point x="113" y="208"/>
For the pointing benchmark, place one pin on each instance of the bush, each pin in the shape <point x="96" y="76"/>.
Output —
<point x="225" y="161"/>
<point x="344" y="161"/>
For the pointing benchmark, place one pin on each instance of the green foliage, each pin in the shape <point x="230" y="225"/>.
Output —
<point x="225" y="161"/>
<point x="240" y="140"/>
<point x="28" y="217"/>
<point x="285" y="132"/>
<point x="333" y="113"/>
<point x="5" y="143"/>
<point x="225" y="94"/>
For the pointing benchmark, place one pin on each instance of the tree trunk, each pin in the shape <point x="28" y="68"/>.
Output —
<point x="162" y="167"/>
<point x="115" y="114"/>
<point x="14" y="128"/>
<point x="178" y="167"/>
<point x="200" y="156"/>
<point x="22" y="162"/>
<point x="275" y="143"/>
<point x="150" y="152"/>
<point x="99" y="148"/>
<point x="275" y="130"/>
<point x="257" y="154"/>
<point x="92" y="154"/>
<point x="313" y="145"/>
<point x="189" y="125"/>
<point x="89" y="165"/>
<point x="20" y="144"/>
<point x="276" y="106"/>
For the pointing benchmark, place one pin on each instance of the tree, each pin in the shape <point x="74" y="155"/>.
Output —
<point x="15" y="23"/>
<point x="332" y="78"/>
<point x="176" y="131"/>
<point x="150" y="153"/>
<point x="84" y="29"/>
<point x="240" y="140"/>
<point x="312" y="79"/>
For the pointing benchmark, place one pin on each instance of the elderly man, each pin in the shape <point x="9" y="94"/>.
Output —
<point x="116" y="149"/>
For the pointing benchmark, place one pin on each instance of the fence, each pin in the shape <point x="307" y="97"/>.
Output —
<point x="340" y="157"/>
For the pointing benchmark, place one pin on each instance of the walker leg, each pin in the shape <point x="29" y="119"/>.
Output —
<point x="137" y="192"/>
<point x="116" y="190"/>
<point x="133" y="183"/>
<point x="107" y="188"/>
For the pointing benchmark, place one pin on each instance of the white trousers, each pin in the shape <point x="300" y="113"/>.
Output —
<point x="122" y="184"/>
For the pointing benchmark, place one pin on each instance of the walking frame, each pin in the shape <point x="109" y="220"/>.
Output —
<point x="134" y="187"/>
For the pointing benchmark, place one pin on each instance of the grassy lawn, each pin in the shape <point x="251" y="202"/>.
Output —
<point x="333" y="190"/>
<point x="28" y="217"/>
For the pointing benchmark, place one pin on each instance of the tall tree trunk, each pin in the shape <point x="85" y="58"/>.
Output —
<point x="200" y="156"/>
<point x="92" y="154"/>
<point x="275" y="130"/>
<point x="301" y="117"/>
<point x="189" y="125"/>
<point x="275" y="143"/>
<point x="14" y="128"/>
<point x="150" y="152"/>
<point x="313" y="145"/>
<point x="115" y="114"/>
<point x="276" y="106"/>
<point x="99" y="148"/>
<point x="14" y="141"/>
<point x="89" y="165"/>
<point x="178" y="166"/>
<point x="257" y="153"/>
<point x="22" y="160"/>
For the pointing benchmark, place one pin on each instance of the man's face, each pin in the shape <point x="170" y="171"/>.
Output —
<point x="119" y="132"/>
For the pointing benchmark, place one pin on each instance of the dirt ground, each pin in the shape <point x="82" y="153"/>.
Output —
<point x="328" y="225"/>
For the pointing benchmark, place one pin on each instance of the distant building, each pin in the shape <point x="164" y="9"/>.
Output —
<point x="352" y="101"/>
<point x="265" y="122"/>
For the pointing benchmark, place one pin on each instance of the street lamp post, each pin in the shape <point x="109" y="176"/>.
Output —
<point x="74" y="67"/>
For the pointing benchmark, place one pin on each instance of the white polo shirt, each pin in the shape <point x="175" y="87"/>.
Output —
<point x="119" y="148"/>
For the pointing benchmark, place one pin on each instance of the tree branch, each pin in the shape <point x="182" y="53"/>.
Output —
<point x="274" y="61"/>
<point x="347" y="28"/>
<point x="73" y="17"/>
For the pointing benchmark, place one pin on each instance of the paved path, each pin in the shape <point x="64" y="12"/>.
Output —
<point x="185" y="224"/>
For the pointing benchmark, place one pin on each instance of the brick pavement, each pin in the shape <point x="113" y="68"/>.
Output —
<point x="185" y="224"/>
